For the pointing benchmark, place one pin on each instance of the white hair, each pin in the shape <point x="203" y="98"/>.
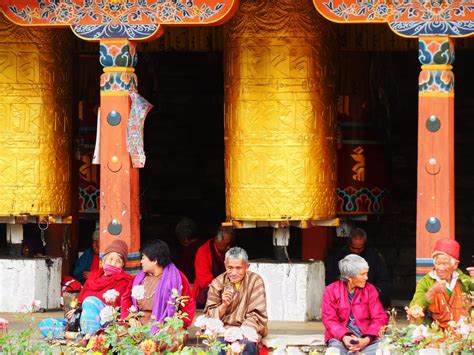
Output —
<point x="452" y="260"/>
<point x="351" y="266"/>
<point x="237" y="253"/>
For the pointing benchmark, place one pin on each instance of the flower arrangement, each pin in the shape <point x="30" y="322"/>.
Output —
<point x="121" y="337"/>
<point x="215" y="336"/>
<point x="420" y="338"/>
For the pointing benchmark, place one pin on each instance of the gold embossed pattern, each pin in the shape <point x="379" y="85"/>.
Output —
<point x="279" y="113"/>
<point x="35" y="121"/>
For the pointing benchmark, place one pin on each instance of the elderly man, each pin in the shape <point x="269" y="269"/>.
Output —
<point x="237" y="298"/>
<point x="209" y="263"/>
<point x="378" y="274"/>
<point x="441" y="290"/>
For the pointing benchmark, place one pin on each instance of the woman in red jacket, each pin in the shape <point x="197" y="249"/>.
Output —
<point x="152" y="288"/>
<point x="352" y="312"/>
<point x="111" y="276"/>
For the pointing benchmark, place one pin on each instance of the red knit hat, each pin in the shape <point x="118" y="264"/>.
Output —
<point x="118" y="246"/>
<point x="446" y="246"/>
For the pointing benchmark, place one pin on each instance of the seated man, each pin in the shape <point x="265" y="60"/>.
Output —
<point x="440" y="291"/>
<point x="378" y="274"/>
<point x="186" y="233"/>
<point x="209" y="263"/>
<point x="89" y="260"/>
<point x="237" y="297"/>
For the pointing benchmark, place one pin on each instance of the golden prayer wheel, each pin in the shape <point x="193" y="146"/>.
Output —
<point x="35" y="120"/>
<point x="280" y="123"/>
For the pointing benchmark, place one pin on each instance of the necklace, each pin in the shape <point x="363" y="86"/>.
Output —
<point x="150" y="283"/>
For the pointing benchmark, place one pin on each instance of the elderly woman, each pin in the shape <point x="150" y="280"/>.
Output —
<point x="440" y="292"/>
<point x="110" y="276"/>
<point x="352" y="312"/>
<point x="152" y="288"/>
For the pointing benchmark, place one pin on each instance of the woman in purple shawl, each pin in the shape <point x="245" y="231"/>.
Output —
<point x="152" y="287"/>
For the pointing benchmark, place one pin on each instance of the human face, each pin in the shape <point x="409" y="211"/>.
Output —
<point x="223" y="245"/>
<point x="356" y="246"/>
<point x="113" y="259"/>
<point x="443" y="267"/>
<point x="359" y="280"/>
<point x="236" y="269"/>
<point x="148" y="265"/>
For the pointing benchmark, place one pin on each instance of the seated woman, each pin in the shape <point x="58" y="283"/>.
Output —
<point x="110" y="276"/>
<point x="159" y="276"/>
<point x="352" y="312"/>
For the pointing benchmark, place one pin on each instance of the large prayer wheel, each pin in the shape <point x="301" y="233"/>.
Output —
<point x="35" y="121"/>
<point x="280" y="155"/>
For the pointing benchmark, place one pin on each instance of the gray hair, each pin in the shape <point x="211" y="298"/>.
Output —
<point x="351" y="266"/>
<point x="223" y="232"/>
<point x="237" y="253"/>
<point x="358" y="233"/>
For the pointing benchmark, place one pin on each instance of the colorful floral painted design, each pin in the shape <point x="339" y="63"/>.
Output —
<point x="137" y="19"/>
<point x="362" y="201"/>
<point x="435" y="51"/>
<point x="436" y="81"/>
<point x="410" y="18"/>
<point x="118" y="54"/>
<point x="117" y="82"/>
<point x="89" y="199"/>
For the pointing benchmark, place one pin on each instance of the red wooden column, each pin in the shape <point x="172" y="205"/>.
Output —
<point x="435" y="195"/>
<point x="119" y="181"/>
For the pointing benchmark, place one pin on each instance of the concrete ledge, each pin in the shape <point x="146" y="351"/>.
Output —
<point x="294" y="291"/>
<point x="23" y="280"/>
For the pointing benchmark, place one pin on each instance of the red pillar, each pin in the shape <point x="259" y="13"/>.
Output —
<point x="316" y="242"/>
<point x="119" y="181"/>
<point x="435" y="195"/>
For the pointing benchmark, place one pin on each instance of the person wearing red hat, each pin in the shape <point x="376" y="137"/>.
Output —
<point x="110" y="277"/>
<point x="440" y="292"/>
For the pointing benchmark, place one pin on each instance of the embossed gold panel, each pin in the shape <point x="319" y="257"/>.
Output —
<point x="35" y="120"/>
<point x="279" y="113"/>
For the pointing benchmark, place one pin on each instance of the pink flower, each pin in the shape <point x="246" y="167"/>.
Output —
<point x="215" y="326"/>
<point x="235" y="347"/>
<point x="110" y="296"/>
<point x="36" y="304"/>
<point x="107" y="314"/>
<point x="138" y="292"/>
<point x="133" y="309"/>
<point x="200" y="322"/>
<point x="3" y="323"/>
<point x="250" y="333"/>
<point x="233" y="334"/>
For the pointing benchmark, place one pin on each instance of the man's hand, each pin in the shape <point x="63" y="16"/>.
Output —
<point x="227" y="296"/>
<point x="438" y="287"/>
<point x="85" y="275"/>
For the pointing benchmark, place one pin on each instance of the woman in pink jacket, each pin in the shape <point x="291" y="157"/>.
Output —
<point x="352" y="312"/>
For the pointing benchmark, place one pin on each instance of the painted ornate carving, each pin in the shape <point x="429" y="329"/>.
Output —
<point x="133" y="19"/>
<point x="280" y="113"/>
<point x="409" y="18"/>
<point x="138" y="112"/>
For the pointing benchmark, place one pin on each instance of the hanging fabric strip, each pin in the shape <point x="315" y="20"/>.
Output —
<point x="96" y="156"/>
<point x="138" y="112"/>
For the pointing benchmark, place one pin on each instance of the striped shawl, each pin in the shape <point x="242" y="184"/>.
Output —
<point x="248" y="307"/>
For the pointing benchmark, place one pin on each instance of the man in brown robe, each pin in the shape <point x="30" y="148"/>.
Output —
<point x="237" y="297"/>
